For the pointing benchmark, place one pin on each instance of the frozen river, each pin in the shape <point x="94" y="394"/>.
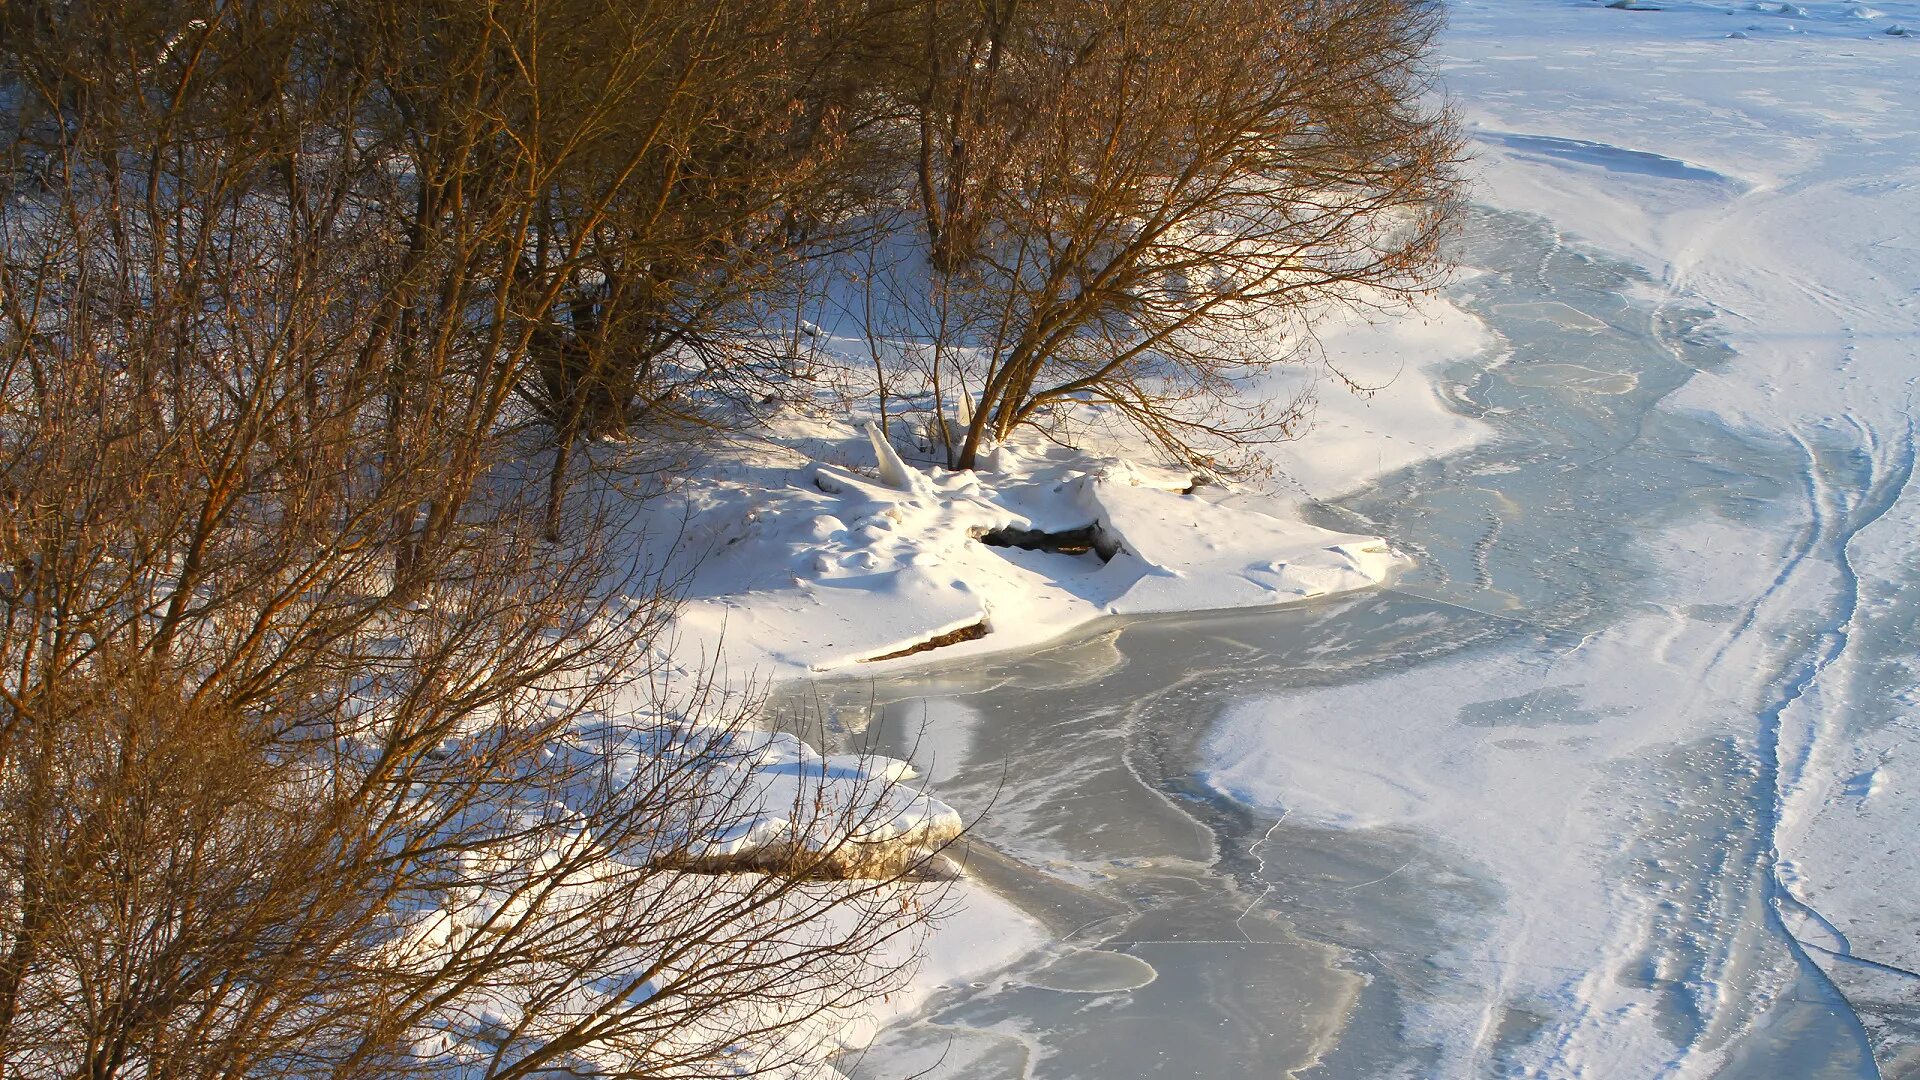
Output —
<point x="1521" y="813"/>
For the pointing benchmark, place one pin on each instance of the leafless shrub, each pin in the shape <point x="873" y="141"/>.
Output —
<point x="1128" y="203"/>
<point x="317" y="755"/>
<point x="328" y="736"/>
<point x="686" y="160"/>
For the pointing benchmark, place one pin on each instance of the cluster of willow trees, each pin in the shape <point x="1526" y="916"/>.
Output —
<point x="319" y="670"/>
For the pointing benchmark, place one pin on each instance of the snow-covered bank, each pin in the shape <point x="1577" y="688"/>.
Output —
<point x="777" y="801"/>
<point x="821" y="566"/>
<point x="800" y="558"/>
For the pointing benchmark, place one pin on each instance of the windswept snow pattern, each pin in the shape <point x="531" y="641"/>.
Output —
<point x="1692" y="784"/>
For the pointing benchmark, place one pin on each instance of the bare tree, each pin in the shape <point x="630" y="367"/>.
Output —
<point x="315" y="756"/>
<point x="1126" y="203"/>
<point x="702" y="152"/>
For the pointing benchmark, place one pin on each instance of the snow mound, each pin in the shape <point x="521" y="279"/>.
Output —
<point x="778" y="801"/>
<point x="1189" y="549"/>
<point x="826" y="566"/>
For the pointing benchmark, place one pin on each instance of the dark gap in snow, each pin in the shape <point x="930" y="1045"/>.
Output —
<point x="1080" y="541"/>
<point x="952" y="637"/>
<point x="909" y="858"/>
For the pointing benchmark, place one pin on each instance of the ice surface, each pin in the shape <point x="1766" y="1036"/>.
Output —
<point x="1535" y="790"/>
<point x="1808" y="131"/>
<point x="1618" y="779"/>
